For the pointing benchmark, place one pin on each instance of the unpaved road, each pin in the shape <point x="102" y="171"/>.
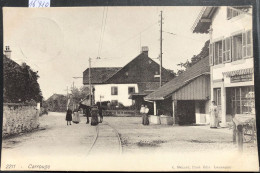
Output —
<point x="57" y="146"/>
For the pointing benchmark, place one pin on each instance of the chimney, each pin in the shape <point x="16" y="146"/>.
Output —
<point x="7" y="52"/>
<point x="145" y="50"/>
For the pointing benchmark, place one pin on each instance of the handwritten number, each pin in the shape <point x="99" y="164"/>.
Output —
<point x="39" y="3"/>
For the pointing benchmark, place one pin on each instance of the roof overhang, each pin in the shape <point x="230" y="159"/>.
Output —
<point x="154" y="99"/>
<point x="204" y="20"/>
<point x="136" y="95"/>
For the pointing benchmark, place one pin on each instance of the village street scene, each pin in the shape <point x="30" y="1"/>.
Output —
<point x="129" y="88"/>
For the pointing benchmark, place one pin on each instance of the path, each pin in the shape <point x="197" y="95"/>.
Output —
<point x="58" y="143"/>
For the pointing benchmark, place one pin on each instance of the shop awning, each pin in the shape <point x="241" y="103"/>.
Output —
<point x="239" y="72"/>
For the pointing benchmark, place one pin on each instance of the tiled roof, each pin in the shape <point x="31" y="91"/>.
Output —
<point x="200" y="68"/>
<point x="99" y="74"/>
<point x="148" y="87"/>
<point x="140" y="69"/>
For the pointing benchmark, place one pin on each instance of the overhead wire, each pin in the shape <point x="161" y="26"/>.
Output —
<point x="101" y="31"/>
<point x="104" y="28"/>
<point x="134" y="36"/>
<point x="179" y="35"/>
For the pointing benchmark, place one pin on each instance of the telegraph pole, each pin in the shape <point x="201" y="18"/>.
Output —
<point x="89" y="80"/>
<point x="161" y="51"/>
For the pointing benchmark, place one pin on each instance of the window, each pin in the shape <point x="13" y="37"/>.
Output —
<point x="243" y="100"/>
<point x="232" y="48"/>
<point x="217" y="96"/>
<point x="131" y="90"/>
<point x="218" y="53"/>
<point x="237" y="47"/>
<point x="114" y="91"/>
<point x="226" y="49"/>
<point x="235" y="11"/>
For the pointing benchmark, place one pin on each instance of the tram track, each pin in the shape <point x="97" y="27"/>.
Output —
<point x="97" y="137"/>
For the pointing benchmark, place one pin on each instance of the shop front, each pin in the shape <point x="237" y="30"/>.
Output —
<point x="234" y="95"/>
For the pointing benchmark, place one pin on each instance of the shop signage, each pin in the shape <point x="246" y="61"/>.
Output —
<point x="241" y="78"/>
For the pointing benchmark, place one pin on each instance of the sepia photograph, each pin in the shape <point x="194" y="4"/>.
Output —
<point x="129" y="88"/>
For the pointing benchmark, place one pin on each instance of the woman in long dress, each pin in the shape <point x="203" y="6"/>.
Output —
<point x="69" y="116"/>
<point x="142" y="110"/>
<point x="213" y="115"/>
<point x="146" y="118"/>
<point x="76" y="118"/>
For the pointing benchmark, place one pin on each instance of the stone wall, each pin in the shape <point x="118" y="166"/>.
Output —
<point x="19" y="118"/>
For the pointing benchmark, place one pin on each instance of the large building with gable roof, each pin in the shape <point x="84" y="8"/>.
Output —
<point x="127" y="84"/>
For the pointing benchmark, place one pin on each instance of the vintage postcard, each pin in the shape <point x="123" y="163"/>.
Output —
<point x="129" y="88"/>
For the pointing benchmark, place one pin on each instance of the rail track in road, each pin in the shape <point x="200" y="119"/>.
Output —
<point x="97" y="137"/>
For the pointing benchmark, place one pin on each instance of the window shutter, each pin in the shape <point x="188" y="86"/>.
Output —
<point x="249" y="43"/>
<point x="224" y="50"/>
<point x="211" y="54"/>
<point x="232" y="49"/>
<point x="215" y="53"/>
<point x="243" y="44"/>
<point x="228" y="49"/>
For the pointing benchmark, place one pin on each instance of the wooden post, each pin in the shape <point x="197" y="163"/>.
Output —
<point x="223" y="105"/>
<point x="161" y="51"/>
<point x="234" y="133"/>
<point x="154" y="108"/>
<point x="240" y="137"/>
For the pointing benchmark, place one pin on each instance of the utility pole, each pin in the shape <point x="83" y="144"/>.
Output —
<point x="161" y="51"/>
<point x="89" y="80"/>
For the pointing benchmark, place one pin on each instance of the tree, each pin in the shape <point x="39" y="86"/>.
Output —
<point x="195" y="58"/>
<point x="79" y="94"/>
<point x="20" y="82"/>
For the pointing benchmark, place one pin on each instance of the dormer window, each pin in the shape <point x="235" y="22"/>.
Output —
<point x="126" y="73"/>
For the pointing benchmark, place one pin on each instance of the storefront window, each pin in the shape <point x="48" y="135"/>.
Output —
<point x="242" y="100"/>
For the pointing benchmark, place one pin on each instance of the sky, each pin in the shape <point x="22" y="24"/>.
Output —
<point x="58" y="42"/>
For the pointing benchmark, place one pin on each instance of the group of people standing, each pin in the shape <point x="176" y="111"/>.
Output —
<point x="74" y="117"/>
<point x="144" y="111"/>
<point x="92" y="112"/>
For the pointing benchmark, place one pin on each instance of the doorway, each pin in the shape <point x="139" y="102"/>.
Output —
<point x="186" y="112"/>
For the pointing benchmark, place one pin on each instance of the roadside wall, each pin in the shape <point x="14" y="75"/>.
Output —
<point x="19" y="118"/>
